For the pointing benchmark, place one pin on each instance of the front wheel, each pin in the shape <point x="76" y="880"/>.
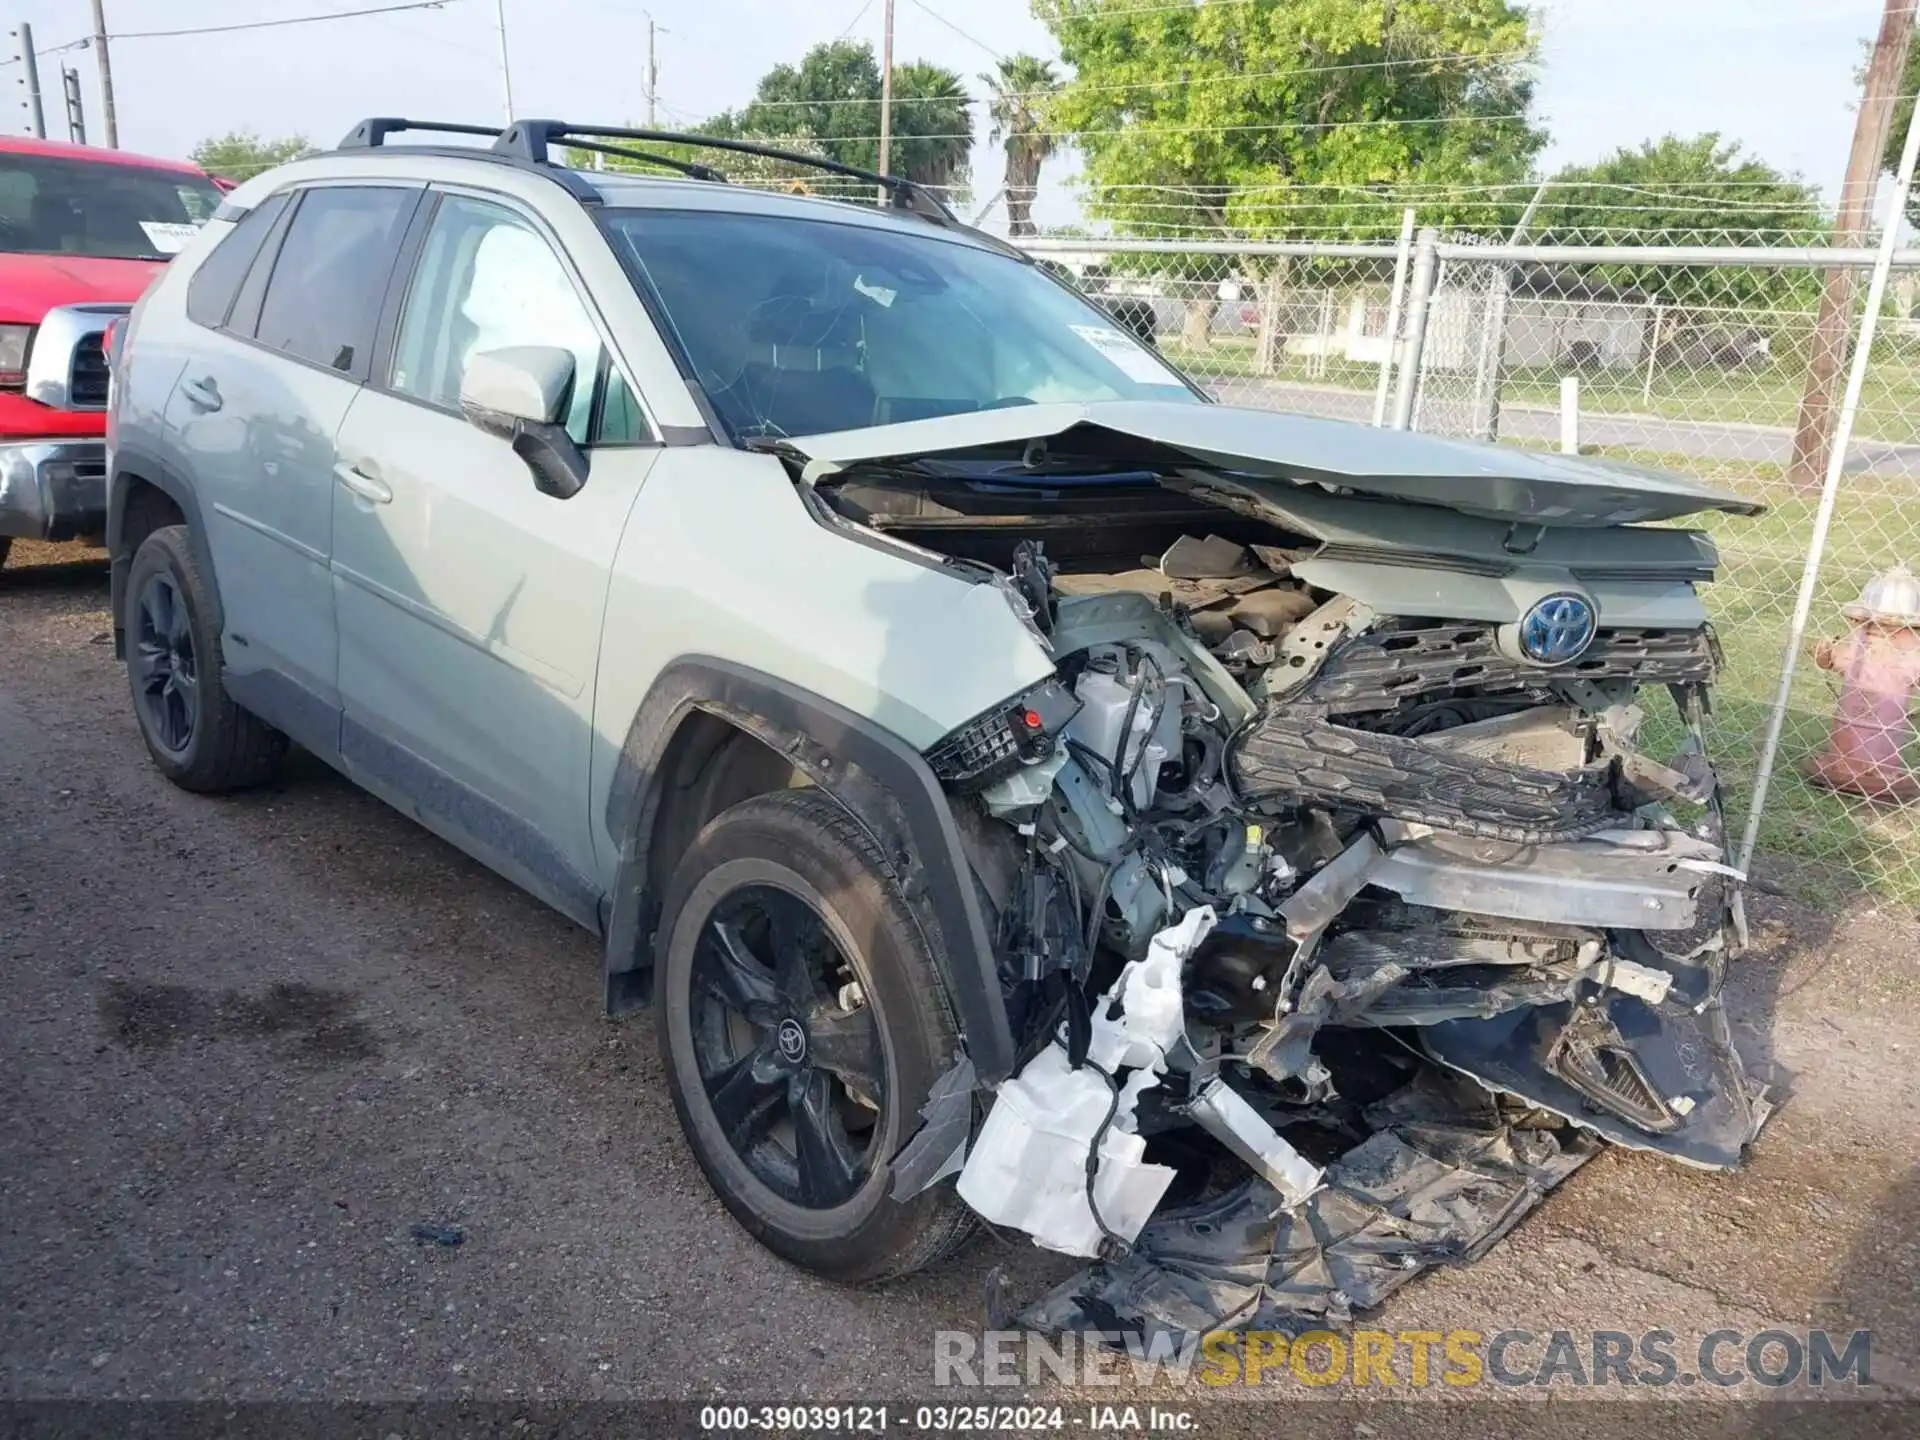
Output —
<point x="804" y="1020"/>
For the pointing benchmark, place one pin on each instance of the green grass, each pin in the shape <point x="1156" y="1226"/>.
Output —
<point x="1767" y="395"/>
<point x="1838" y="845"/>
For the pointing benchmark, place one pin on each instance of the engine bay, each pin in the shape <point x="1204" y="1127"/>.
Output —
<point x="1355" y="912"/>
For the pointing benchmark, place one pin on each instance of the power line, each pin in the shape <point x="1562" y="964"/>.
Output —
<point x="1489" y="57"/>
<point x="288" y="20"/>
<point x="858" y="16"/>
<point x="933" y="14"/>
<point x="1210" y="129"/>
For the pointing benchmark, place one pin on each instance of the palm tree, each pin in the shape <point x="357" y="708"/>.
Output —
<point x="1020" y="87"/>
<point x="932" y="129"/>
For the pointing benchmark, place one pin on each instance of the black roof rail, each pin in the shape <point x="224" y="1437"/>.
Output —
<point x="529" y="139"/>
<point x="689" y="168"/>
<point x="374" y="130"/>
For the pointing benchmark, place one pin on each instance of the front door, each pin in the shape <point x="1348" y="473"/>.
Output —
<point x="254" y="415"/>
<point x="469" y="603"/>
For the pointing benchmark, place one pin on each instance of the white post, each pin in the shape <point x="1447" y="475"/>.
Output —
<point x="1653" y="349"/>
<point x="1830" y="488"/>
<point x="1569" y="414"/>
<point x="1387" y="357"/>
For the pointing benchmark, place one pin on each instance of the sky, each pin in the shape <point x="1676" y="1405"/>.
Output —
<point x="1777" y="75"/>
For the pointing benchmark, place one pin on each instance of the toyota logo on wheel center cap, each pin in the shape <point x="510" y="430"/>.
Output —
<point x="791" y="1037"/>
<point x="1557" y="629"/>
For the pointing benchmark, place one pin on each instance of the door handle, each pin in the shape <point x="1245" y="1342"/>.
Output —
<point x="367" y="487"/>
<point x="202" y="394"/>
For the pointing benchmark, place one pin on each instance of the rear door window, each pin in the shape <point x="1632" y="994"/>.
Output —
<point x="322" y="303"/>
<point x="210" y="293"/>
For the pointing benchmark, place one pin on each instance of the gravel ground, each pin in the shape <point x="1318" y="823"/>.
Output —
<point x="248" y="1043"/>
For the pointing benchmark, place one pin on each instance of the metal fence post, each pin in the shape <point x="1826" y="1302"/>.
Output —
<point x="1426" y="266"/>
<point x="1830" y="488"/>
<point x="1395" y="297"/>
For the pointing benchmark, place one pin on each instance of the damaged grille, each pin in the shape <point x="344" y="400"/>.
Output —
<point x="1394" y="778"/>
<point x="1379" y="670"/>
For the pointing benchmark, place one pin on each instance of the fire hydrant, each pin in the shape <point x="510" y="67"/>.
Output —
<point x="1880" y="665"/>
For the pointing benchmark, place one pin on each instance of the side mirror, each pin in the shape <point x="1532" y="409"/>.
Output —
<point x="519" y="393"/>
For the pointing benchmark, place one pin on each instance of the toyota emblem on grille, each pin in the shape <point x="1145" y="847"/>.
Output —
<point x="1558" y="629"/>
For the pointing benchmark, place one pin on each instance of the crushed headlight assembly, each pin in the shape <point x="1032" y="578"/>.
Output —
<point x="994" y="745"/>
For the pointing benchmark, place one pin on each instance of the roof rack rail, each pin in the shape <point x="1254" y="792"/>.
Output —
<point x="529" y="139"/>
<point x="689" y="168"/>
<point x="374" y="130"/>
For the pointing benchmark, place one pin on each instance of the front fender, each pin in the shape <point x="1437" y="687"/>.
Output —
<point x="883" y="783"/>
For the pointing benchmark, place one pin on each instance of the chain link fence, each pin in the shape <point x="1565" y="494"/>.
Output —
<point x="1692" y="359"/>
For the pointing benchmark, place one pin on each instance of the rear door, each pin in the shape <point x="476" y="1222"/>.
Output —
<point x="254" y="416"/>
<point x="469" y="603"/>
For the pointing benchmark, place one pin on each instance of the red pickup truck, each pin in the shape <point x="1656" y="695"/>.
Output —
<point x="82" y="232"/>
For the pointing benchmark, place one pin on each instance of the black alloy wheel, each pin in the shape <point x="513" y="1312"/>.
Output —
<point x="164" y="670"/>
<point x="789" y="1057"/>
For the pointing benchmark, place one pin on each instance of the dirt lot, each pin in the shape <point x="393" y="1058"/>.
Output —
<point x="247" y="1044"/>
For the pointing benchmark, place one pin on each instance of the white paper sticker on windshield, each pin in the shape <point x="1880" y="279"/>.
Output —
<point x="169" y="237"/>
<point x="1135" y="362"/>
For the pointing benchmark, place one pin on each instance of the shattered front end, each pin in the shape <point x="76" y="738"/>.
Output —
<point x="1360" y="869"/>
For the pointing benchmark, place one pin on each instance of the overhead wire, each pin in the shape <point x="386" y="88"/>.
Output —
<point x="283" y="21"/>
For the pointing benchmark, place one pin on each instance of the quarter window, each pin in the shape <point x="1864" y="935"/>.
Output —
<point x="323" y="298"/>
<point x="210" y="293"/>
<point x="486" y="280"/>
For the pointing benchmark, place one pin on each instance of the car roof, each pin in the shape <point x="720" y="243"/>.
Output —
<point x="614" y="190"/>
<point x="27" y="145"/>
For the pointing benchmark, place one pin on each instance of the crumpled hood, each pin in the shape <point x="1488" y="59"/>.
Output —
<point x="1495" y="481"/>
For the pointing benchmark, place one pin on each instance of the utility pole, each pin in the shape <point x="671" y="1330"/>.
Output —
<point x="1813" y="436"/>
<point x="30" y="77"/>
<point x="653" y="70"/>
<point x="76" y="109"/>
<point x="886" y="93"/>
<point x="506" y="71"/>
<point x="105" y="62"/>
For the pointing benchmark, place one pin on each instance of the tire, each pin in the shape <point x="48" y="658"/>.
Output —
<point x="6" y="544"/>
<point x="758" y="872"/>
<point x="199" y="739"/>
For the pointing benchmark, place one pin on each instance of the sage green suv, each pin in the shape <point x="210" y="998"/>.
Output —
<point x="1023" y="787"/>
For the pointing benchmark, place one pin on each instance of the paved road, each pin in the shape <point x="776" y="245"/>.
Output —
<point x="247" y="1043"/>
<point x="1693" y="439"/>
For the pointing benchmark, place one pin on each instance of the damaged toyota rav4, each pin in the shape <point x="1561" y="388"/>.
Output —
<point x="1258" y="854"/>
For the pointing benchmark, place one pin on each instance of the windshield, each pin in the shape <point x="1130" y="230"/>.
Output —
<point x="50" y="205"/>
<point x="795" y="327"/>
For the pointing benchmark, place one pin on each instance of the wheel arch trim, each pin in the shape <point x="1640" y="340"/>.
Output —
<point x="878" y="778"/>
<point x="131" y="463"/>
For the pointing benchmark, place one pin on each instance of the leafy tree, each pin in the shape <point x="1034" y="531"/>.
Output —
<point x="1701" y="190"/>
<point x="831" y="100"/>
<point x="1019" y="91"/>
<point x="1300" y="117"/>
<point x="241" y="154"/>
<point x="1678" y="191"/>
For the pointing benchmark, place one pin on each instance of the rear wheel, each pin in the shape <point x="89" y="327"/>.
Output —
<point x="198" y="737"/>
<point x="804" y="1021"/>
